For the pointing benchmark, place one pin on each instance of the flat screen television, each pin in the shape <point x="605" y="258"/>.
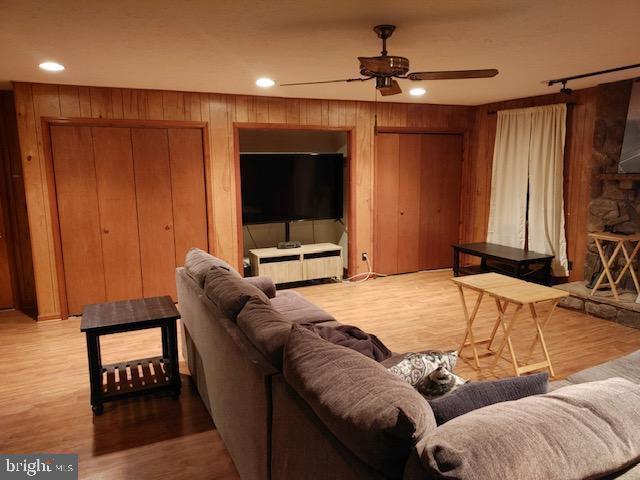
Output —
<point x="284" y="187"/>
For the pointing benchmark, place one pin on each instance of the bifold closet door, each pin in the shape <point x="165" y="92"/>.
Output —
<point x="397" y="203"/>
<point x="155" y="210"/>
<point x="78" y="216"/>
<point x="386" y="201"/>
<point x="116" y="191"/>
<point x="440" y="199"/>
<point x="409" y="206"/>
<point x="416" y="201"/>
<point x="188" y="191"/>
<point x="131" y="202"/>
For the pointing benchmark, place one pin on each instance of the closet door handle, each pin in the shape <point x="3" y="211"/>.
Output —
<point x="167" y="227"/>
<point x="401" y="213"/>
<point x="105" y="230"/>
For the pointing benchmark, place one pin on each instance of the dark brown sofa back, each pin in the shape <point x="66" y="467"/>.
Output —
<point x="232" y="377"/>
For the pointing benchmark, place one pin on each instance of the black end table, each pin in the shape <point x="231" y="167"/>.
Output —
<point x="120" y="380"/>
<point x="515" y="262"/>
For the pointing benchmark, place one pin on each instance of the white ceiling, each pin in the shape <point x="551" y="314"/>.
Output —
<point x="224" y="45"/>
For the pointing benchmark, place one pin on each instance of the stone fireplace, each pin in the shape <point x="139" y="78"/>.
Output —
<point x="614" y="205"/>
<point x="615" y="202"/>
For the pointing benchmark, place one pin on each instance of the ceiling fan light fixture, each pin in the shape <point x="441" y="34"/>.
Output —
<point x="417" y="92"/>
<point x="51" y="66"/>
<point x="265" y="82"/>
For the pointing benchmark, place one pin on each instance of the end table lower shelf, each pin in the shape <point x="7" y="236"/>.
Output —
<point x="132" y="377"/>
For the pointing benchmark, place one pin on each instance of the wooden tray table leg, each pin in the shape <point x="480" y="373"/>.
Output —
<point x="629" y="265"/>
<point x="605" y="265"/>
<point x="496" y="324"/>
<point x="541" y="336"/>
<point x="469" y="320"/>
<point x="507" y="339"/>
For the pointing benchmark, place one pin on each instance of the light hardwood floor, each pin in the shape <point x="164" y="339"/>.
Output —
<point x="44" y="394"/>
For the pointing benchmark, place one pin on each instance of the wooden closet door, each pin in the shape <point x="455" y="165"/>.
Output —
<point x="188" y="191"/>
<point x="6" y="288"/>
<point x="118" y="212"/>
<point x="440" y="199"/>
<point x="155" y="211"/>
<point x="78" y="215"/>
<point x="409" y="193"/>
<point x="385" y="258"/>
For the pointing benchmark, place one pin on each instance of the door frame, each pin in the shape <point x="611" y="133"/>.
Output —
<point x="48" y="122"/>
<point x="466" y="140"/>
<point x="351" y="175"/>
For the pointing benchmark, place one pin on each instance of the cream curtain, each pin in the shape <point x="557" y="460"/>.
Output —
<point x="529" y="153"/>
<point x="508" y="209"/>
<point x="546" y="194"/>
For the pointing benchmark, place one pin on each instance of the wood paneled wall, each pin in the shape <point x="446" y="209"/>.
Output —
<point x="13" y="198"/>
<point x="577" y="172"/>
<point x="34" y="101"/>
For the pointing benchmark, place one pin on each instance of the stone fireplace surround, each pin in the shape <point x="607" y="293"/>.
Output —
<point x="615" y="203"/>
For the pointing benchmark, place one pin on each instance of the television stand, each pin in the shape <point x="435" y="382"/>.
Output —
<point x="308" y="262"/>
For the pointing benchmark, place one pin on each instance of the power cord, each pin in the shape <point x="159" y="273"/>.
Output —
<point x="367" y="275"/>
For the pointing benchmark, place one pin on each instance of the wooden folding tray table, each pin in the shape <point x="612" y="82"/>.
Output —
<point x="507" y="291"/>
<point x="619" y="240"/>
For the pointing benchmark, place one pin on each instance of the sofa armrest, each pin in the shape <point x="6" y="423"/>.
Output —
<point x="264" y="284"/>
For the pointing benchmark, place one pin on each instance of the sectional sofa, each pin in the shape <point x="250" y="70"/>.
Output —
<point x="290" y="405"/>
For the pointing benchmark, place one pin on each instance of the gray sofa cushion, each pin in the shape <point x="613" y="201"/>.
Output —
<point x="626" y="367"/>
<point x="198" y="262"/>
<point x="264" y="284"/>
<point x="474" y="395"/>
<point x="229" y="292"/>
<point x="298" y="309"/>
<point x="553" y="386"/>
<point x="373" y="413"/>
<point x="267" y="329"/>
<point x="580" y="431"/>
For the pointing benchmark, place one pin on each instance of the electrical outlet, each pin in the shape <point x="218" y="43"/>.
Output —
<point x="365" y="257"/>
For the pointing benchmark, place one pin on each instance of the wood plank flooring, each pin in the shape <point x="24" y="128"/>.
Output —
<point x="44" y="388"/>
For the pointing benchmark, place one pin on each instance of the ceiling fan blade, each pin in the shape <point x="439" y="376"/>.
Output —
<point x="348" y="80"/>
<point x="453" y="74"/>
<point x="394" y="89"/>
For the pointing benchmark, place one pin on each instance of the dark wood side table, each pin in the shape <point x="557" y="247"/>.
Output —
<point x="515" y="262"/>
<point x="120" y="380"/>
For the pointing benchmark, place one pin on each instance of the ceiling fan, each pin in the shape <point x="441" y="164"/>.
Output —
<point x="386" y="68"/>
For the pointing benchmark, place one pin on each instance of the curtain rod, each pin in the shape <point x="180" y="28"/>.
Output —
<point x="493" y="112"/>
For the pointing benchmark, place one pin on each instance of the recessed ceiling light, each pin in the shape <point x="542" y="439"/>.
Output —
<point x="51" y="66"/>
<point x="265" y="82"/>
<point x="416" y="92"/>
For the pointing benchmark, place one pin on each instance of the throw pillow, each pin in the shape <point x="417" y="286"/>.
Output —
<point x="264" y="284"/>
<point x="475" y="395"/>
<point x="198" y="262"/>
<point x="229" y="292"/>
<point x="416" y="370"/>
<point x="352" y="337"/>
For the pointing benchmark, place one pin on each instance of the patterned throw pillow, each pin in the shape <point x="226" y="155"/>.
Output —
<point x="431" y="372"/>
